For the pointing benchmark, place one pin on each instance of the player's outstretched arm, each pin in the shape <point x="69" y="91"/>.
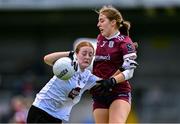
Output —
<point x="52" y="57"/>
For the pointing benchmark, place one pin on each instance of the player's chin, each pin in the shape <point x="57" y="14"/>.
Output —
<point x="85" y="65"/>
<point x="104" y="34"/>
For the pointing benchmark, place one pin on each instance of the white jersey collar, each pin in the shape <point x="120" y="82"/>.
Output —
<point x="79" y="70"/>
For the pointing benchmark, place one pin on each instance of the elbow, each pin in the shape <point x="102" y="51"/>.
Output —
<point x="47" y="60"/>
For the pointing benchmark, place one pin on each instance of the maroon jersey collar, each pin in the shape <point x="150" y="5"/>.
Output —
<point x="114" y="36"/>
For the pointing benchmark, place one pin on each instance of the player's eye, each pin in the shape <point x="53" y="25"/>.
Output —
<point x="84" y="53"/>
<point x="90" y="54"/>
<point x="101" y="20"/>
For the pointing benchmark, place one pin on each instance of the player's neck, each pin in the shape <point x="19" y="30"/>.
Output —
<point x="81" y="69"/>
<point x="114" y="34"/>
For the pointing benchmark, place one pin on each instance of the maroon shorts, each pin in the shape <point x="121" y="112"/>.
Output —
<point x="105" y="101"/>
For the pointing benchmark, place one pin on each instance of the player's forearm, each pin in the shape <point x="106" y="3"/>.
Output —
<point x="119" y="78"/>
<point x="116" y="73"/>
<point x="125" y="75"/>
<point x="52" y="57"/>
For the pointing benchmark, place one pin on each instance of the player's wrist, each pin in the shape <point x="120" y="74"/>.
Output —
<point x="71" y="53"/>
<point x="113" y="81"/>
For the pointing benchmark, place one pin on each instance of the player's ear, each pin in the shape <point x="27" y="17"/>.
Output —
<point x="113" y="22"/>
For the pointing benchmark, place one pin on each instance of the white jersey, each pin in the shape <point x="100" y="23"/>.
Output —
<point x="55" y="99"/>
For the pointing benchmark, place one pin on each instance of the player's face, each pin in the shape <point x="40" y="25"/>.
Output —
<point x="104" y="25"/>
<point x="85" y="56"/>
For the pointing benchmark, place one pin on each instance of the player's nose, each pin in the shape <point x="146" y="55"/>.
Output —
<point x="87" y="57"/>
<point x="98" y="24"/>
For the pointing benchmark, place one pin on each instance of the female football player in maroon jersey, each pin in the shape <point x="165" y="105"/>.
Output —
<point x="115" y="49"/>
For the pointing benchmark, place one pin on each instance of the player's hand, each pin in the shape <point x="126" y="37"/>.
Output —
<point x="100" y="90"/>
<point x="74" y="62"/>
<point x="104" y="87"/>
<point x="71" y="55"/>
<point x="108" y="83"/>
<point x="129" y="64"/>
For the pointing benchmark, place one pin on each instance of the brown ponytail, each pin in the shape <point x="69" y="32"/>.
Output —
<point x="125" y="27"/>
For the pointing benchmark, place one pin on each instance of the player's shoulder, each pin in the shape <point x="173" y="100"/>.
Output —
<point x="123" y="38"/>
<point x="87" y="71"/>
<point x="100" y="37"/>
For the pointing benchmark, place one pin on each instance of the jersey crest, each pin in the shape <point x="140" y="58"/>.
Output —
<point x="111" y="44"/>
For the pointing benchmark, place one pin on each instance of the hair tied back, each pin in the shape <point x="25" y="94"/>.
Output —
<point x="122" y="22"/>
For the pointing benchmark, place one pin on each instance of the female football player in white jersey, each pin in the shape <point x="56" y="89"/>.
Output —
<point x="54" y="102"/>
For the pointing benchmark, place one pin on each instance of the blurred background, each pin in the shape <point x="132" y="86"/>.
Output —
<point x="30" y="29"/>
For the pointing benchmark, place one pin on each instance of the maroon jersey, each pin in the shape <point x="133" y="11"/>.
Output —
<point x="109" y="58"/>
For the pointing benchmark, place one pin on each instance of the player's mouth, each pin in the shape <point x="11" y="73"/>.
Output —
<point x="86" y="62"/>
<point x="101" y="30"/>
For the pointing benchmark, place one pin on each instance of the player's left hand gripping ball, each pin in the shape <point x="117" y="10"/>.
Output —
<point x="74" y="62"/>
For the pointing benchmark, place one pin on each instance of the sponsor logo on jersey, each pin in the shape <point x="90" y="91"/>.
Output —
<point x="74" y="92"/>
<point x="102" y="58"/>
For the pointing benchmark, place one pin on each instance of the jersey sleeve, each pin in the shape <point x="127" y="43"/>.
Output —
<point x="92" y="81"/>
<point x="128" y="48"/>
